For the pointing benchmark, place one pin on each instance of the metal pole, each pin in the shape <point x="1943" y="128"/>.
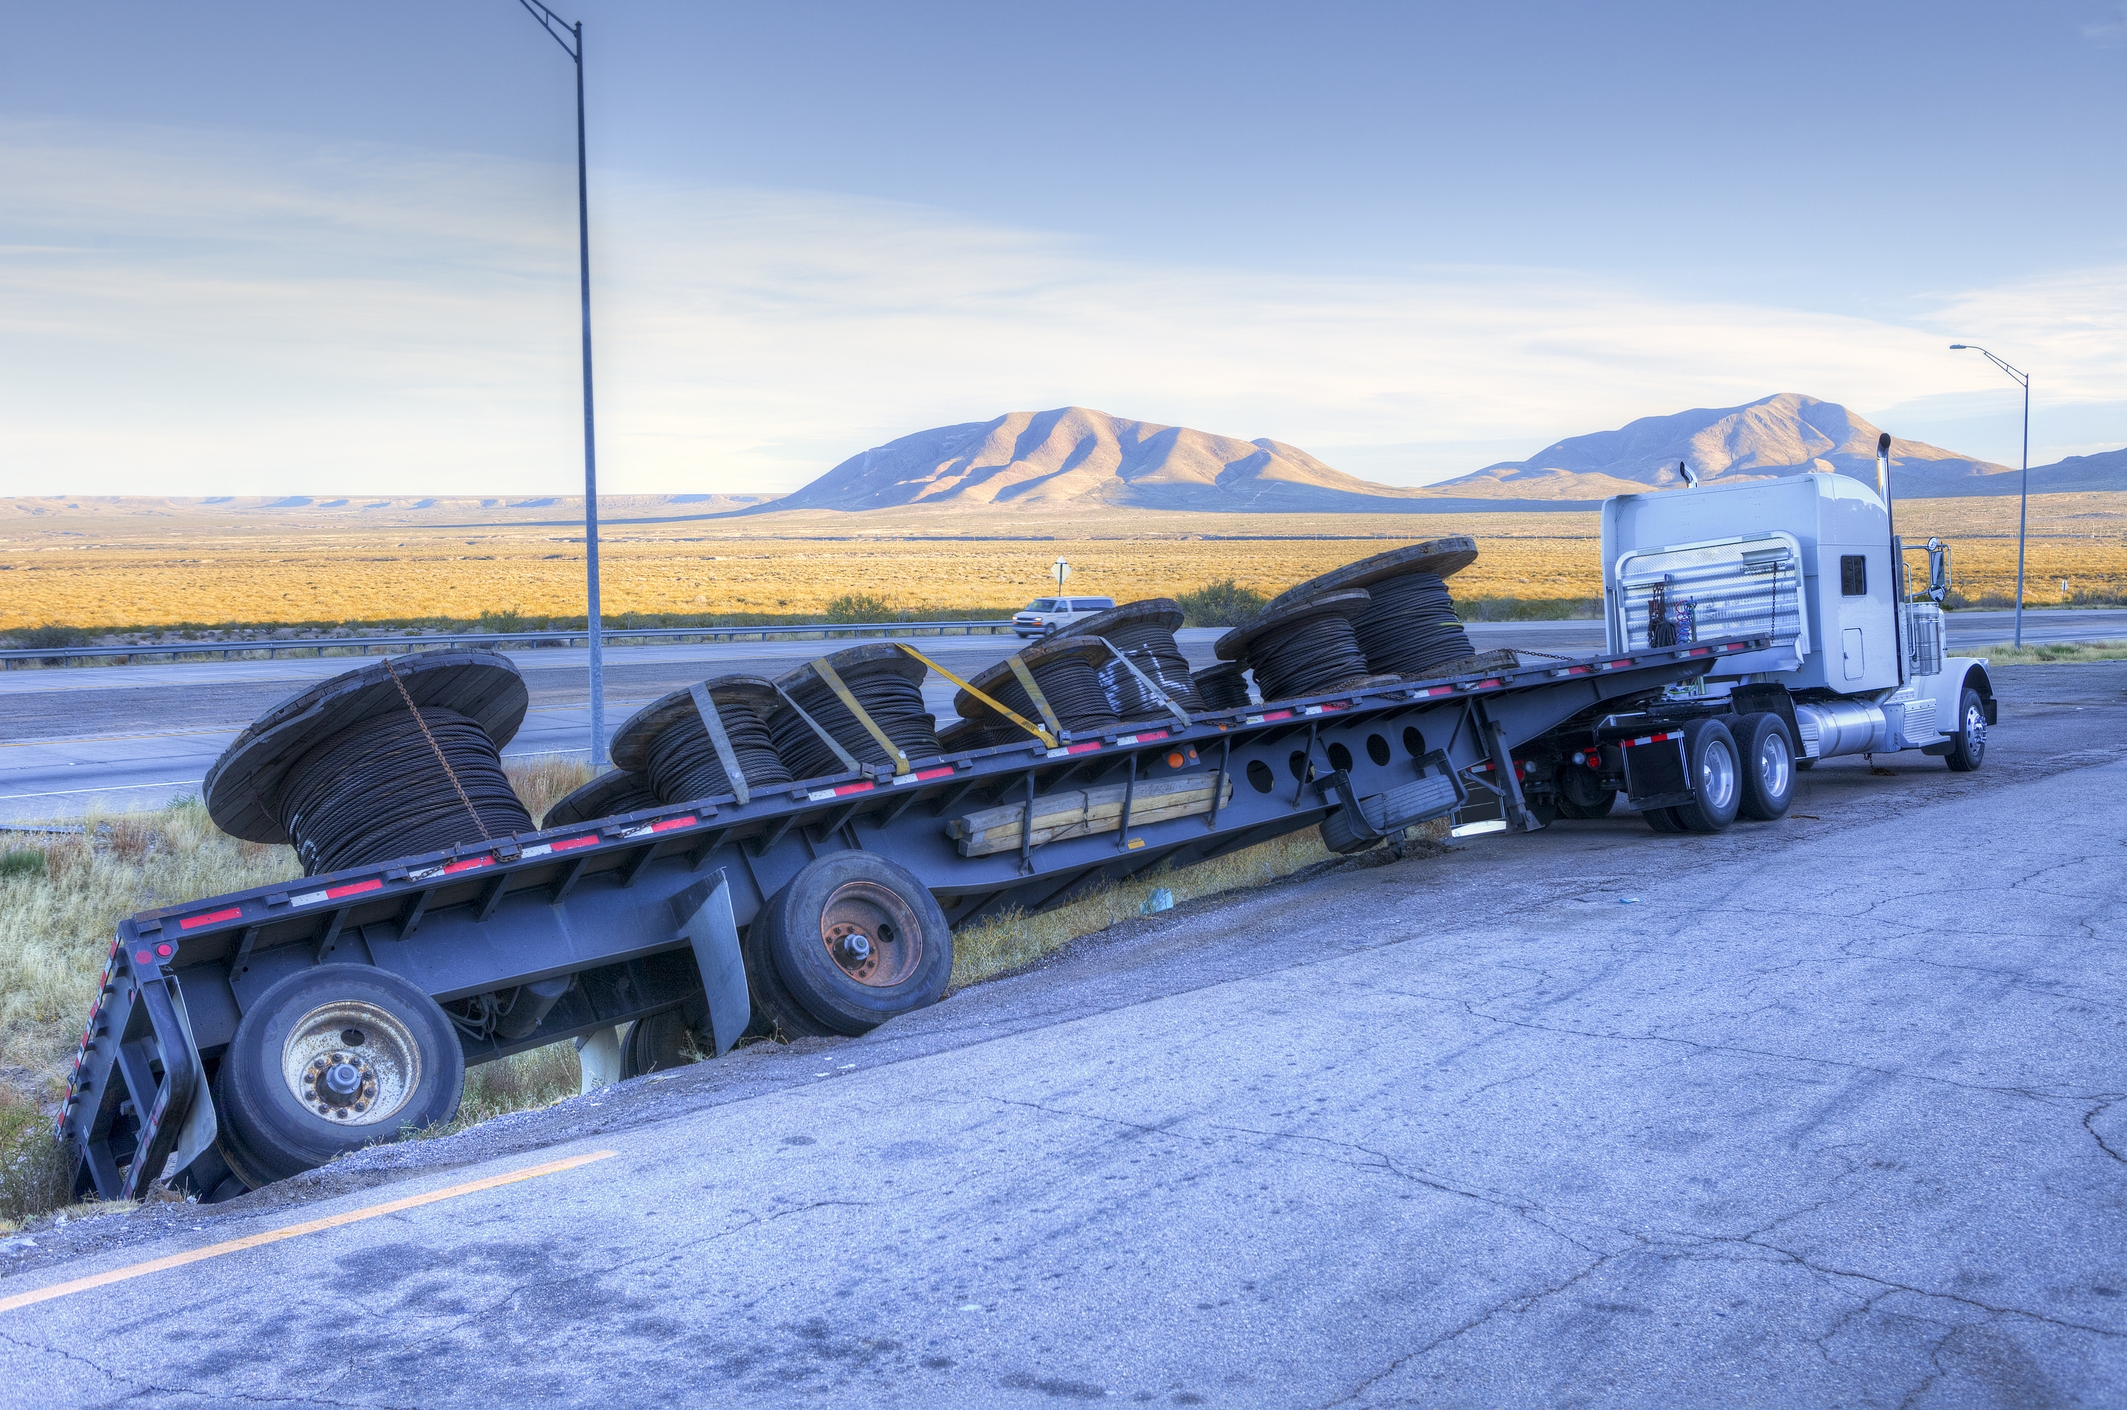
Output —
<point x="590" y="440"/>
<point x="2023" y="514"/>
<point x="2023" y="507"/>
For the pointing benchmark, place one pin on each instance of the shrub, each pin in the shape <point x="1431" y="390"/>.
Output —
<point x="860" y="607"/>
<point x="51" y="636"/>
<point x="1222" y="604"/>
<point x="21" y="861"/>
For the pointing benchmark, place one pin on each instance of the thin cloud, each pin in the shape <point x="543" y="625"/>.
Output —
<point x="241" y="316"/>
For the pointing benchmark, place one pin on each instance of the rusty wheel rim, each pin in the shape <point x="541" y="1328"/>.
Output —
<point x="871" y="934"/>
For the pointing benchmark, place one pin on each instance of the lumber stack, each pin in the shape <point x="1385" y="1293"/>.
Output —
<point x="1080" y="812"/>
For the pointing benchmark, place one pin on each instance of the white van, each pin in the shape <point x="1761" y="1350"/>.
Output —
<point x="1048" y="614"/>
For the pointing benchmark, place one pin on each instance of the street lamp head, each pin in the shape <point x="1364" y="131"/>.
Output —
<point x="1958" y="347"/>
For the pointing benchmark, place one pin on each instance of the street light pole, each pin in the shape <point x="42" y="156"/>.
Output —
<point x="2023" y="507"/>
<point x="572" y="45"/>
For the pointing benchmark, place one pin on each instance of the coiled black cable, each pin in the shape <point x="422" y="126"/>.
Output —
<point x="376" y="791"/>
<point x="1409" y="628"/>
<point x="1072" y="686"/>
<point x="1151" y="648"/>
<point x="1222" y="687"/>
<point x="1312" y="653"/>
<point x="608" y="795"/>
<point x="682" y="761"/>
<point x="894" y="703"/>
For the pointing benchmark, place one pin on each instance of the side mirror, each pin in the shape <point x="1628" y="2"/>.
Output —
<point x="1938" y="569"/>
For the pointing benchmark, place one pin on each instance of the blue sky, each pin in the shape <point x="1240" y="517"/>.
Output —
<point x="265" y="248"/>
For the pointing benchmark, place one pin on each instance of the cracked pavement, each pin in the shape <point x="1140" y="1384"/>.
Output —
<point x="1832" y="1113"/>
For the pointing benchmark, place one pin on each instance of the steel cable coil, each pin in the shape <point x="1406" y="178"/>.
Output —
<point x="1072" y="685"/>
<point x="1151" y="647"/>
<point x="1410" y="628"/>
<point x="683" y="763"/>
<point x="894" y="703"/>
<point x="1307" y="655"/>
<point x="376" y="790"/>
<point x="1223" y="687"/>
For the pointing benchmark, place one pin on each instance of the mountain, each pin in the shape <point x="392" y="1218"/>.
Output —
<point x="1080" y="459"/>
<point x="1075" y="457"/>
<point x="1785" y="434"/>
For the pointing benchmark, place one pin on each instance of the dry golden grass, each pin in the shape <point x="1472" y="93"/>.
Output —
<point x="2054" y="653"/>
<point x="118" y="570"/>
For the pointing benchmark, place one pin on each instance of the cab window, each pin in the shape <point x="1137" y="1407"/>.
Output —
<point x="1042" y="604"/>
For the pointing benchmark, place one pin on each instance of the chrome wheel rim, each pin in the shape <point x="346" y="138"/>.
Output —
<point x="871" y="934"/>
<point x="351" y="1063"/>
<point x="1975" y="729"/>
<point x="1717" y="776"/>
<point x="1774" y="765"/>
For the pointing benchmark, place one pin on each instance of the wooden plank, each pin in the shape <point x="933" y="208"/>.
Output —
<point x="1082" y="812"/>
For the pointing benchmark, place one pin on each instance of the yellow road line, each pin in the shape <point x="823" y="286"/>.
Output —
<point x="271" y="1236"/>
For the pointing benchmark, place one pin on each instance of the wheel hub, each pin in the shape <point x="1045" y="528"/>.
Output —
<point x="871" y="934"/>
<point x="351" y="1063"/>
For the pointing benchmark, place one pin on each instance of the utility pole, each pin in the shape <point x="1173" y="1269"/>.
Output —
<point x="570" y="38"/>
<point x="2023" y="508"/>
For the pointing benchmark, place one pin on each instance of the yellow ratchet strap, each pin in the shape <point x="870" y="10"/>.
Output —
<point x="1044" y="735"/>
<point x="834" y="683"/>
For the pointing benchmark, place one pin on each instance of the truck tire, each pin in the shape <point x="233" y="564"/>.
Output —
<point x="858" y="940"/>
<point x="329" y="1060"/>
<point x="1581" y="794"/>
<point x="1968" y="747"/>
<point x="653" y="1045"/>
<point x="1768" y="766"/>
<point x="1711" y="763"/>
<point x="1662" y="819"/>
<point x="776" y="1011"/>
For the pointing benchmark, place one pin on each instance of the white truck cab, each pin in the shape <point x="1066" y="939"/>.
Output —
<point x="1855" y="661"/>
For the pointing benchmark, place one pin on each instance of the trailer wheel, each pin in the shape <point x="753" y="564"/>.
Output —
<point x="653" y="1045"/>
<point x="330" y="1060"/>
<point x="1768" y="766"/>
<point x="1716" y="781"/>
<point x="1662" y="819"/>
<point x="1968" y="747"/>
<point x="776" y="1011"/>
<point x="858" y="940"/>
<point x="1581" y="793"/>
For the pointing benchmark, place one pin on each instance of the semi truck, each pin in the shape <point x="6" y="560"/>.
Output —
<point x="1753" y="630"/>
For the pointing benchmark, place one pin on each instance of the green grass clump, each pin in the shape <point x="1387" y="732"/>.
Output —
<point x="2054" y="653"/>
<point x="1222" y="604"/>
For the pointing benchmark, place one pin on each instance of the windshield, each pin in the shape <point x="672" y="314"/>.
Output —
<point x="1042" y="604"/>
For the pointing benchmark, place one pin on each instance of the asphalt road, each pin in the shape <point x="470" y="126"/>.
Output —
<point x="1829" y="1111"/>
<point x="117" y="737"/>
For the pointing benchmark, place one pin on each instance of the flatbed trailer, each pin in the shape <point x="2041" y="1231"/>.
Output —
<point x="622" y="919"/>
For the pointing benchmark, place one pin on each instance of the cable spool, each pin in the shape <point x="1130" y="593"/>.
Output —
<point x="1305" y="649"/>
<point x="886" y="681"/>
<point x="1068" y="671"/>
<point x="1223" y="687"/>
<point x="391" y="759"/>
<point x="609" y="795"/>
<point x="669" y="746"/>
<point x="1144" y="632"/>
<point x="1409" y="629"/>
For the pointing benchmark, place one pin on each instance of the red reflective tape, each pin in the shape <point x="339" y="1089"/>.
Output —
<point x="1278" y="715"/>
<point x="354" y="888"/>
<point x="1494" y="681"/>
<point x="1088" y="747"/>
<point x="469" y="864"/>
<point x="572" y="843"/>
<point x="925" y="774"/>
<point x="1700" y="651"/>
<point x="670" y="823"/>
<point x="211" y="917"/>
<point x="1149" y="735"/>
<point x="848" y="788"/>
